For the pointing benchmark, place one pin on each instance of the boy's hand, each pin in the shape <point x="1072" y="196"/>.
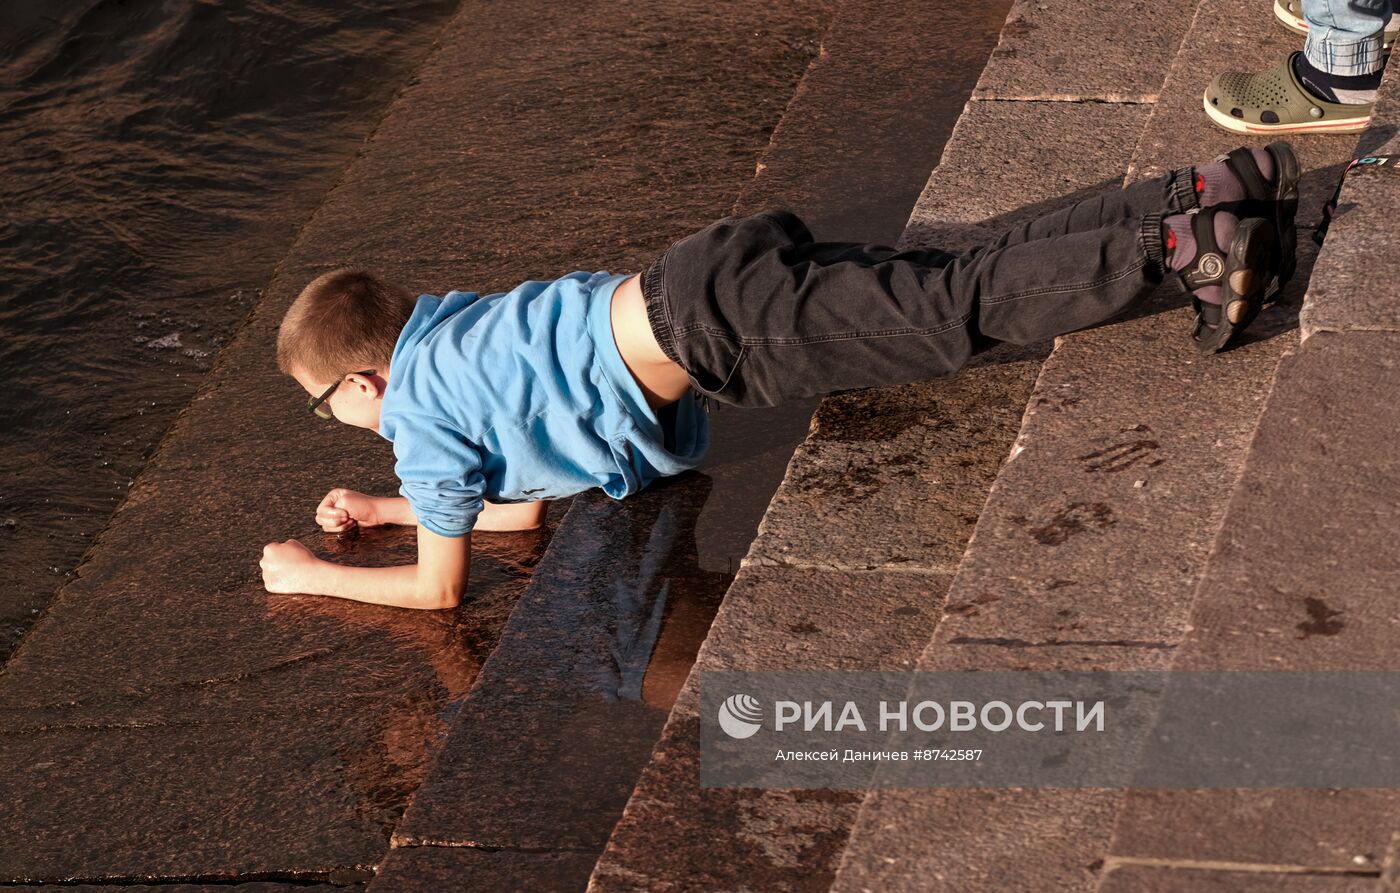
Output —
<point x="289" y="567"/>
<point x="343" y="509"/>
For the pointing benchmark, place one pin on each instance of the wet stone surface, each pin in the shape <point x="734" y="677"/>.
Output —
<point x="1042" y="54"/>
<point x="535" y="178"/>
<point x="431" y="869"/>
<point x="856" y="145"/>
<point x="300" y="739"/>
<point x="676" y="832"/>
<point x="165" y="694"/>
<point x="548" y="746"/>
<point x="220" y="887"/>
<point x="851" y="154"/>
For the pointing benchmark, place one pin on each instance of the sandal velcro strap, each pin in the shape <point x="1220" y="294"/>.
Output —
<point x="1241" y="163"/>
<point x="1208" y="267"/>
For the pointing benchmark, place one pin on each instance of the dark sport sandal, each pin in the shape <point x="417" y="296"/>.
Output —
<point x="1276" y="201"/>
<point x="1242" y="273"/>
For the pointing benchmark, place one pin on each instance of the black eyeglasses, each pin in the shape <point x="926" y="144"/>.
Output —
<point x="316" y="406"/>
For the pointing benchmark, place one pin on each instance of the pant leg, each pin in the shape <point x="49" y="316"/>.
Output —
<point x="757" y="313"/>
<point x="1344" y="36"/>
<point x="1171" y="193"/>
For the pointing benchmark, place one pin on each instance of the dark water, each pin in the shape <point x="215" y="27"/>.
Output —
<point x="156" y="161"/>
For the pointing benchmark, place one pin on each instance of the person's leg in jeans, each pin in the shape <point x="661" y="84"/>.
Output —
<point x="1179" y="191"/>
<point x="1342" y="58"/>
<point x="758" y="313"/>
<point x="1172" y="193"/>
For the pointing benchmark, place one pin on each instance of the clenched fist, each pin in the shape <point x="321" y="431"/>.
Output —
<point x="342" y="509"/>
<point x="288" y="567"/>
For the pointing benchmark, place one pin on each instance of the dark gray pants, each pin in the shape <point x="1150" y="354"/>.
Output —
<point x="757" y="313"/>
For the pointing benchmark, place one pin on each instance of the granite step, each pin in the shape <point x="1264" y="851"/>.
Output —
<point x="873" y="106"/>
<point x="1302" y="574"/>
<point x="1107" y="594"/>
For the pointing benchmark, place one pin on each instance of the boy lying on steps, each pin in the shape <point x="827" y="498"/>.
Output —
<point x="498" y="403"/>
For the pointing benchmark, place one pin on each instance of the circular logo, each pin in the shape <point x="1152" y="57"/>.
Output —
<point x="1212" y="265"/>
<point x="740" y="716"/>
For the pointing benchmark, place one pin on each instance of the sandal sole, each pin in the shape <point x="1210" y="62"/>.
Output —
<point x="1235" y="125"/>
<point x="1287" y="173"/>
<point x="1249" y="266"/>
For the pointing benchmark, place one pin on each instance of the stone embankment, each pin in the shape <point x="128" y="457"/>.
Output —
<point x="169" y="722"/>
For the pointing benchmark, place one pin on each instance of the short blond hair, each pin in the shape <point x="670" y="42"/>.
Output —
<point x="343" y="321"/>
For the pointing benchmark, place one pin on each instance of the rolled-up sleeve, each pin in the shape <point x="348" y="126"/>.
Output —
<point x="439" y="473"/>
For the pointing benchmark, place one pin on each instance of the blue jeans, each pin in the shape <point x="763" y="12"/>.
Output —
<point x="1344" y="36"/>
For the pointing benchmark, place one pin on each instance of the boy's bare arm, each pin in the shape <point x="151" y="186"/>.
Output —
<point x="438" y="580"/>
<point x="340" y="508"/>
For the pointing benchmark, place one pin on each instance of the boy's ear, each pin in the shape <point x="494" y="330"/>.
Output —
<point x="369" y="385"/>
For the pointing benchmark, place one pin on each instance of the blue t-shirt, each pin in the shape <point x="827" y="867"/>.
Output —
<point x="523" y="395"/>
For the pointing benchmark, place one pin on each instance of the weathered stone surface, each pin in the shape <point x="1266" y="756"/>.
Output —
<point x="1097" y="50"/>
<point x="164" y="694"/>
<point x="1303" y="574"/>
<point x="1324" y="829"/>
<point x="1181" y="133"/>
<point x="1066" y="570"/>
<point x="999" y="167"/>
<point x="1151" y="879"/>
<point x="677" y="835"/>
<point x="431" y="869"/>
<point x="924" y="454"/>
<point x="1301" y="577"/>
<point x="790" y="619"/>
<point x="1353" y="288"/>
<point x="1098" y="529"/>
<point x="545" y="751"/>
<point x="976" y="840"/>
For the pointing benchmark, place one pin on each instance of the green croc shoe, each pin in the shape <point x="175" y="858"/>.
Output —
<point x="1290" y="12"/>
<point x="1273" y="101"/>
